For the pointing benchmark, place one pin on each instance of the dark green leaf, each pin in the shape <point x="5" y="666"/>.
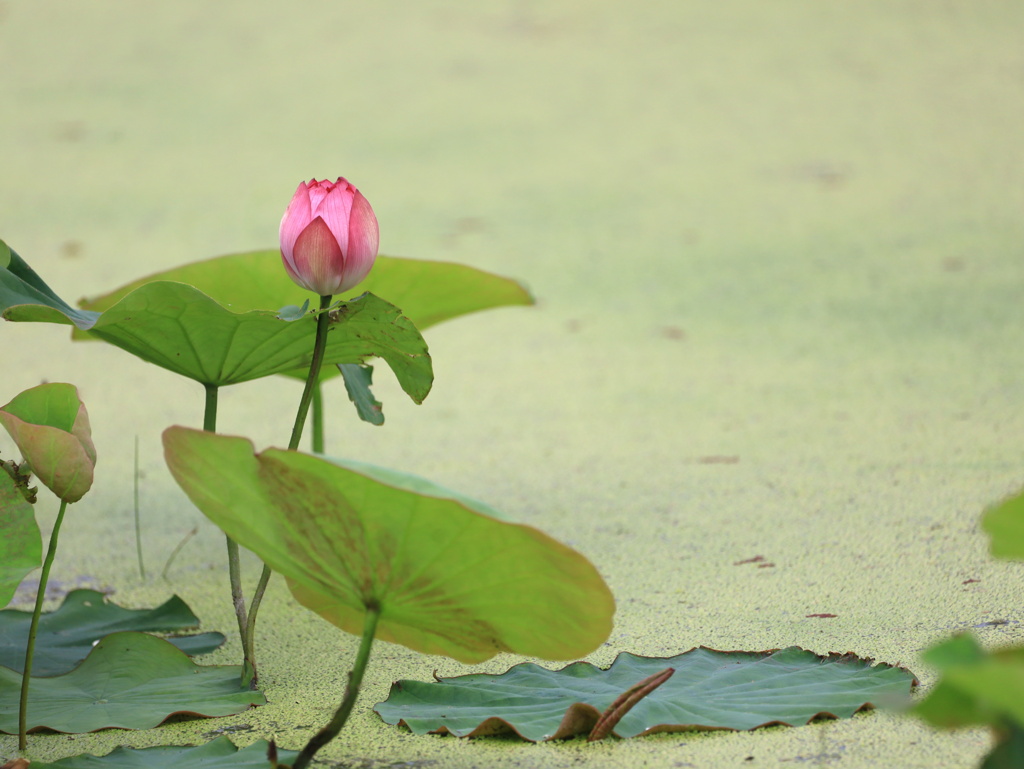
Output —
<point x="21" y="546"/>
<point x="448" y="577"/>
<point x="67" y="635"/>
<point x="1008" y="752"/>
<point x="357" y="382"/>
<point x="709" y="690"/>
<point x="19" y="285"/>
<point x="129" y="681"/>
<point x="219" y="754"/>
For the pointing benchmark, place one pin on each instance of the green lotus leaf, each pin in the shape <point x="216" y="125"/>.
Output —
<point x="183" y="330"/>
<point x="129" y="681"/>
<point x="977" y="687"/>
<point x="219" y="754"/>
<point x="20" y="286"/>
<point x="21" y="546"/>
<point x="180" y="328"/>
<point x="1005" y="525"/>
<point x="428" y="292"/>
<point x="447" y="577"/>
<point x="51" y="428"/>
<point x="358" y="380"/>
<point x="67" y="635"/>
<point x="709" y="690"/>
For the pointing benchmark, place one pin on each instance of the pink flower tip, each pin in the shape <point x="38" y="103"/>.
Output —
<point x="329" y="237"/>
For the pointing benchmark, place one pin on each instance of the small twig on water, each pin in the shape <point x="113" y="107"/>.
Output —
<point x="625" y="702"/>
<point x="177" y="549"/>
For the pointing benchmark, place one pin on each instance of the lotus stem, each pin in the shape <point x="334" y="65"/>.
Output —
<point x="234" y="565"/>
<point x="138" y="527"/>
<point x="309" y="394"/>
<point x="319" y="345"/>
<point x="33" y="628"/>
<point x="317" y="436"/>
<point x="355" y="679"/>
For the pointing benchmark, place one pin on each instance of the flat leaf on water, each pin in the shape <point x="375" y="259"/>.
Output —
<point x="129" y="681"/>
<point x="709" y="690"/>
<point x="448" y="577"/>
<point x="67" y="635"/>
<point x="221" y="753"/>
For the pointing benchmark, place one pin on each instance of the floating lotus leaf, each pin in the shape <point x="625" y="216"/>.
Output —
<point x="51" y="428"/>
<point x="66" y="636"/>
<point x="447" y="576"/>
<point x="219" y="754"/>
<point x="709" y="690"/>
<point x="21" y="546"/>
<point x="129" y="681"/>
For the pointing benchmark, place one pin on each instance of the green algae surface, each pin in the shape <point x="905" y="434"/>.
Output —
<point x="776" y="253"/>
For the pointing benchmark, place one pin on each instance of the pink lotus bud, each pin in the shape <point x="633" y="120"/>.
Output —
<point x="329" y="237"/>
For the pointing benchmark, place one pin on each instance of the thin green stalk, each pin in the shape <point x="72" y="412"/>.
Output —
<point x="308" y="395"/>
<point x="26" y="676"/>
<point x="254" y="607"/>
<point x="138" y="528"/>
<point x="355" y="679"/>
<point x="177" y="549"/>
<point x="234" y="565"/>
<point x="319" y="345"/>
<point x="318" y="418"/>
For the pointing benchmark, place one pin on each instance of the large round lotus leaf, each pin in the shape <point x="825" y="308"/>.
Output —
<point x="129" y="681"/>
<point x="428" y="292"/>
<point x="21" y="546"/>
<point x="66" y="636"/>
<point x="709" y="690"/>
<point x="448" y="578"/>
<point x="219" y="754"/>
<point x="51" y="428"/>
